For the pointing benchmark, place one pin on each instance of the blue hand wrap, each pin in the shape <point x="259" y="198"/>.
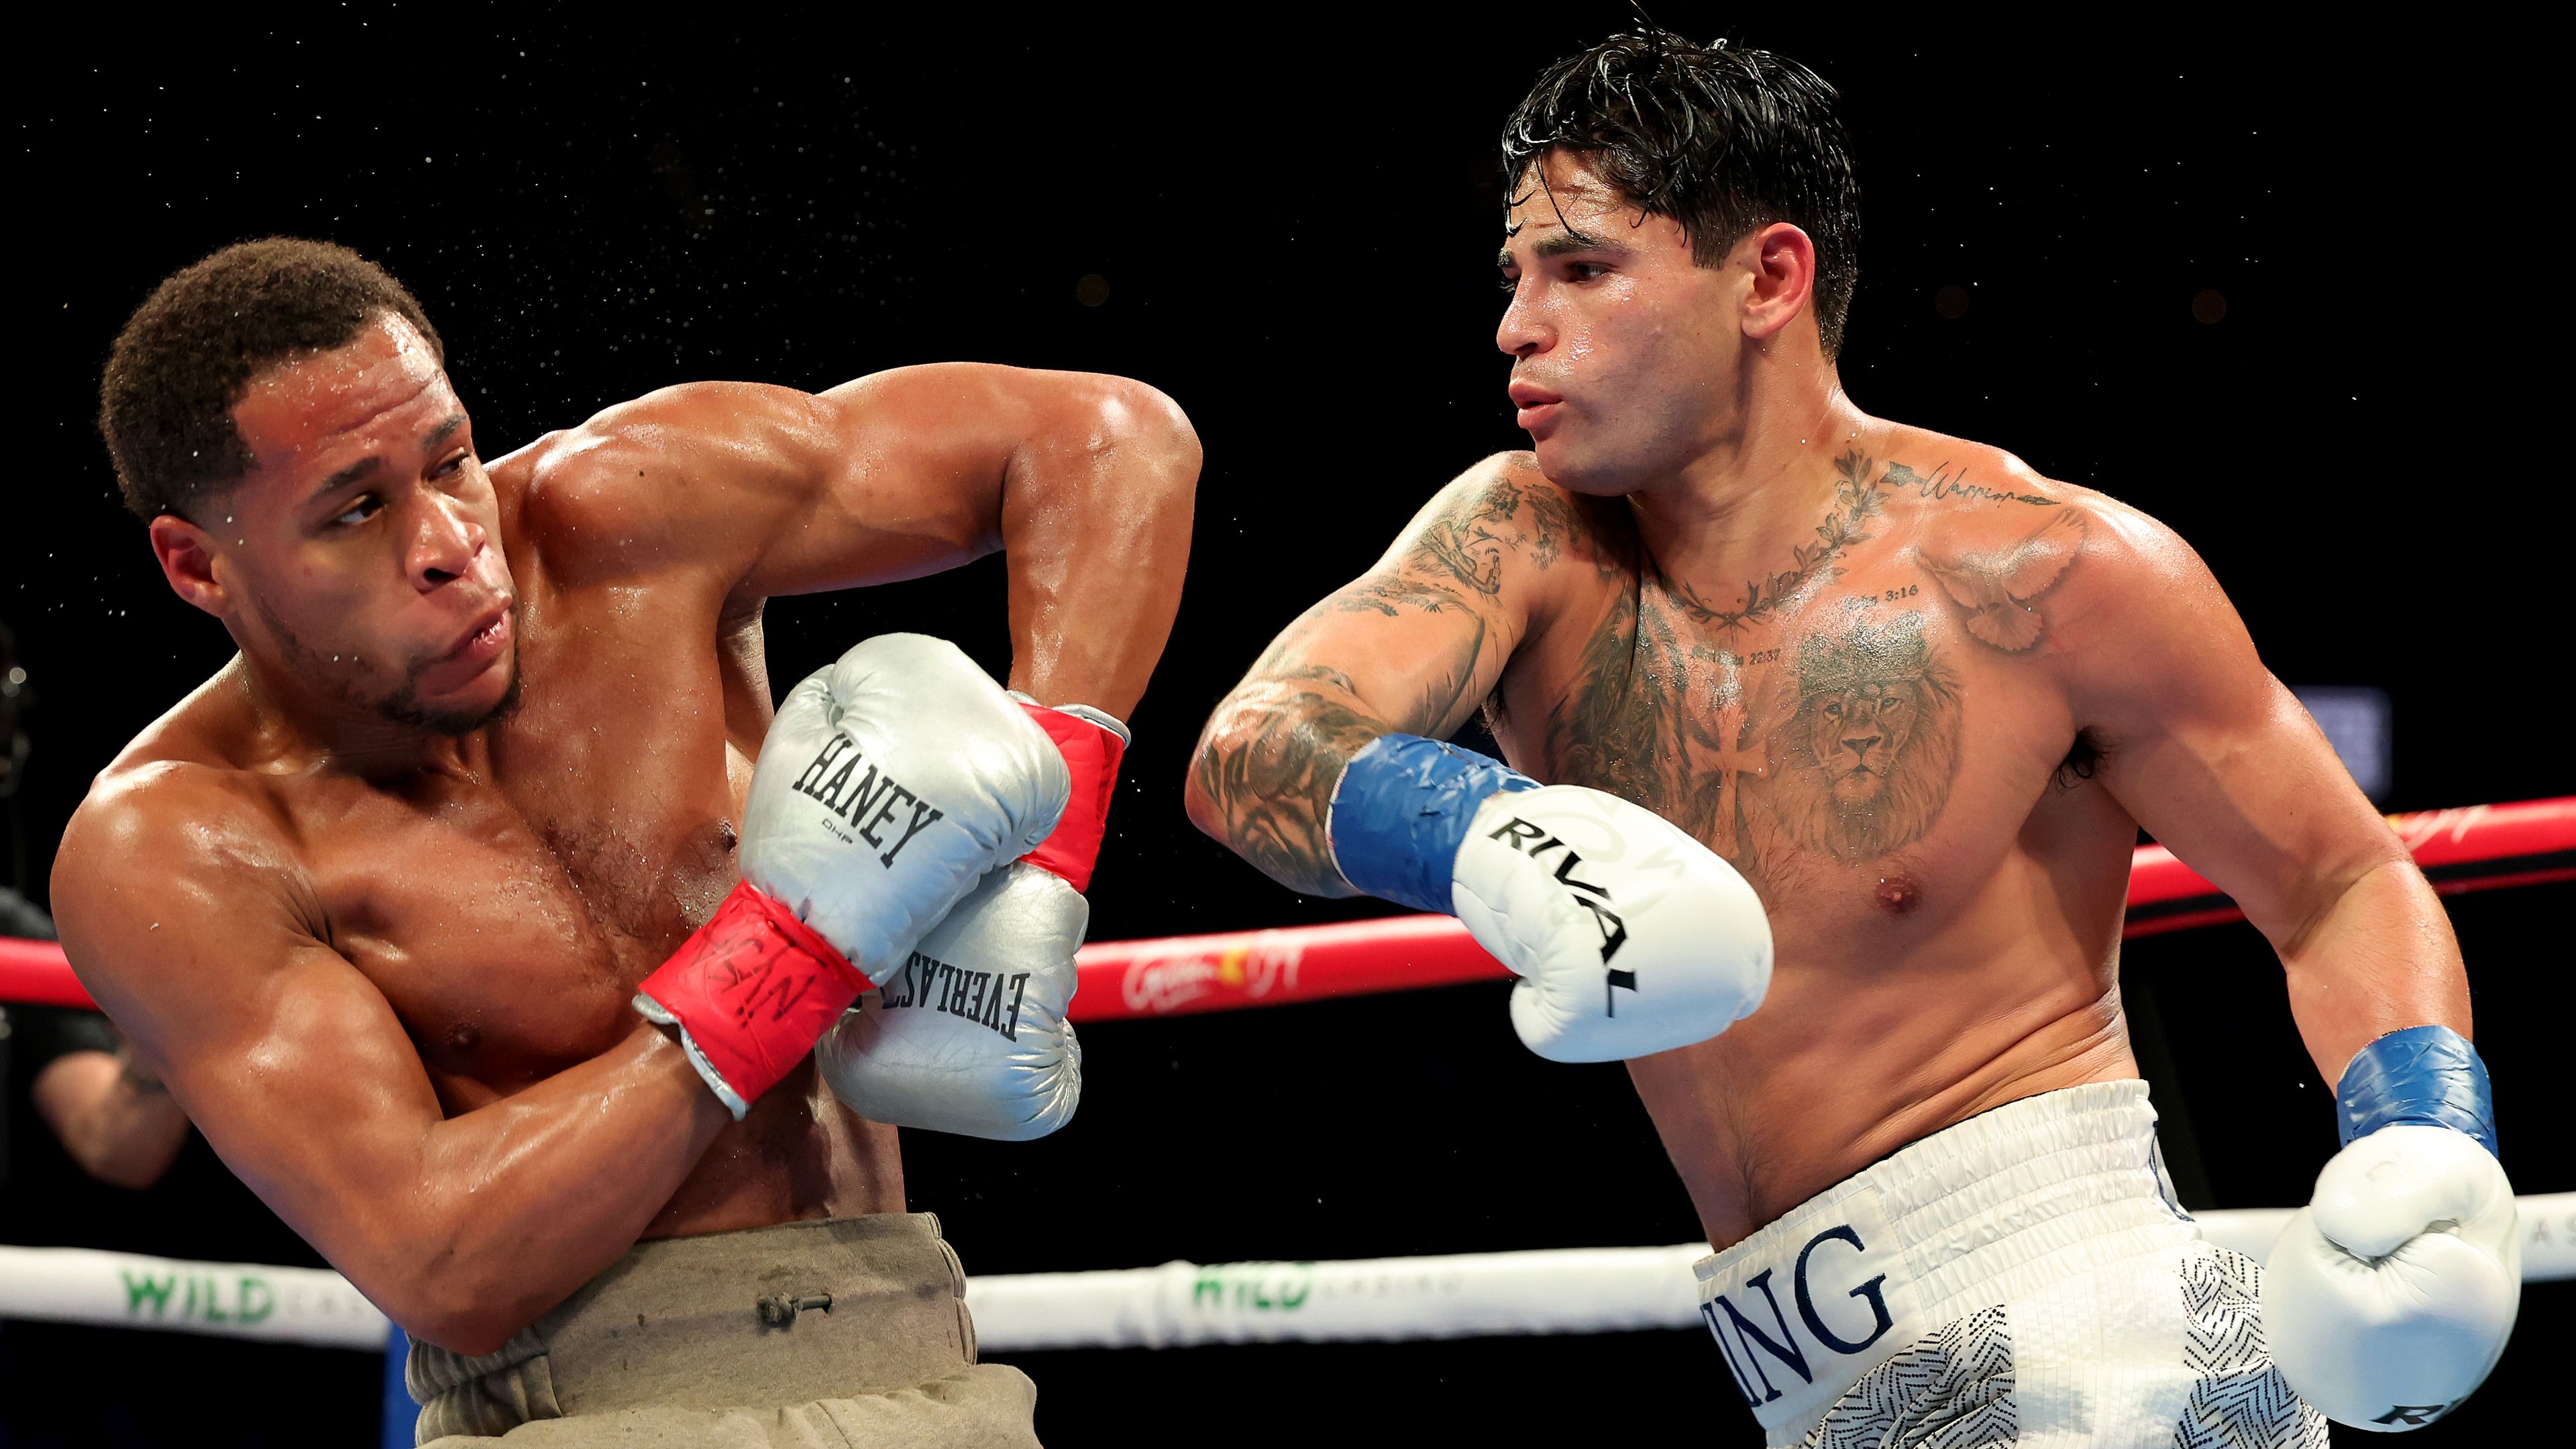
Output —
<point x="1401" y="812"/>
<point x="2426" y="1075"/>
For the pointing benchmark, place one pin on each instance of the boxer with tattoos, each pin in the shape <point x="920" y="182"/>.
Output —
<point x="1893" y="706"/>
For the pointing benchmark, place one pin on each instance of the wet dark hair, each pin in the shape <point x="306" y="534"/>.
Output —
<point x="1720" y="139"/>
<point x="185" y="356"/>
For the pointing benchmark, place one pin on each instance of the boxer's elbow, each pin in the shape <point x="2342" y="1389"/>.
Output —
<point x="1143" y="420"/>
<point x="443" y="1291"/>
<point x="455" y="1311"/>
<point x="1262" y="786"/>
<point x="2373" y="892"/>
<point x="1152" y="454"/>
<point x="1222" y="767"/>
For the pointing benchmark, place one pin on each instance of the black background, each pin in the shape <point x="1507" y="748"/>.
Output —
<point x="1295" y="225"/>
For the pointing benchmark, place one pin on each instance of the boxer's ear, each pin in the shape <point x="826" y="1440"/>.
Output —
<point x="1782" y="263"/>
<point x="187" y="560"/>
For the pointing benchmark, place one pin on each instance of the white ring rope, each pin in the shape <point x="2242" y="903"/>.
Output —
<point x="1464" y="1295"/>
<point x="228" y="1300"/>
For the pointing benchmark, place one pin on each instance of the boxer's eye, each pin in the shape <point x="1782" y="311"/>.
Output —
<point x="1585" y="271"/>
<point x="359" y="512"/>
<point x="448" y="468"/>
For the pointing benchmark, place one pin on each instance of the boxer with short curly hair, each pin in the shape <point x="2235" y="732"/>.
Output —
<point x="466" y="915"/>
<point x="1829" y="740"/>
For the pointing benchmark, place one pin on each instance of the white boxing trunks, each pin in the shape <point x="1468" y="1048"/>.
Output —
<point x="2023" y="1278"/>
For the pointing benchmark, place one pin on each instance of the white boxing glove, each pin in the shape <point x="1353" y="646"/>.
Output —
<point x="1629" y="937"/>
<point x="970" y="1036"/>
<point x="2390" y="1296"/>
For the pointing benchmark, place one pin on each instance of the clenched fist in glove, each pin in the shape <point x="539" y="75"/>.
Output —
<point x="890" y="784"/>
<point x="2389" y="1297"/>
<point x="1628" y="936"/>
<point x="970" y="1036"/>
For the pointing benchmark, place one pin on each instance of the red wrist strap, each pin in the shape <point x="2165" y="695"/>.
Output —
<point x="1091" y="755"/>
<point x="751" y="990"/>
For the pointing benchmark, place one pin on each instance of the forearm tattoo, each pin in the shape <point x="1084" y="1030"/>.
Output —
<point x="1274" y="753"/>
<point x="1270" y="762"/>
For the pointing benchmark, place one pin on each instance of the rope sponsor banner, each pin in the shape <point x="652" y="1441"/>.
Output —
<point x="228" y="1300"/>
<point x="1176" y="1305"/>
<point x="2475" y="847"/>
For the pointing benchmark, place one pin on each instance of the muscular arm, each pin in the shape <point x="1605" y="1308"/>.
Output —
<point x="1412" y="646"/>
<point x="1084" y="482"/>
<point x="187" y="923"/>
<point x="2220" y="763"/>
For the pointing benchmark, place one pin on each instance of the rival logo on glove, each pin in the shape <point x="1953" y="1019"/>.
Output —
<point x="1534" y="841"/>
<point x="872" y="797"/>
<point x="973" y="995"/>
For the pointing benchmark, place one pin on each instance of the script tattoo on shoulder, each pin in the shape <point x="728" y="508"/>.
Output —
<point x="1945" y="482"/>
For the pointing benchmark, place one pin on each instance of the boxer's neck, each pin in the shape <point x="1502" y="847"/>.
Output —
<point x="297" y="722"/>
<point x="1736" y="510"/>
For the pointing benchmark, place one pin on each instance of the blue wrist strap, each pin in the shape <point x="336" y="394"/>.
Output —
<point x="2426" y="1075"/>
<point x="1401" y="812"/>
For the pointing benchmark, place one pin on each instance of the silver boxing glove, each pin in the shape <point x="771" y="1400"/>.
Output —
<point x="969" y="1035"/>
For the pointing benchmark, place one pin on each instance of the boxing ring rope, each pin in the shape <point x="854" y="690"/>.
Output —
<point x="1175" y="1305"/>
<point x="2477" y="847"/>
<point x="2472" y="848"/>
<point x="1550" y="1291"/>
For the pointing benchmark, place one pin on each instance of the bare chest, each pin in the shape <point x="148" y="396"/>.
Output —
<point x="508" y="916"/>
<point x="1848" y="743"/>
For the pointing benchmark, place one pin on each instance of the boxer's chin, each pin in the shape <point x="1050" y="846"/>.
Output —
<point x="456" y="716"/>
<point x="1592" y="470"/>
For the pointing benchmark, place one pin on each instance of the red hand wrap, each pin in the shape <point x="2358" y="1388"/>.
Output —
<point x="1091" y="754"/>
<point x="754" y="988"/>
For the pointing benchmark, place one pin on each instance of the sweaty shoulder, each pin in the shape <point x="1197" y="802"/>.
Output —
<point x="1502" y="530"/>
<point x="669" y="480"/>
<point x="2032" y="566"/>
<point x="164" y="852"/>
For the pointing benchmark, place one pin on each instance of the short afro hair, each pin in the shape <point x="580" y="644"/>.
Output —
<point x="186" y="355"/>
<point x="1719" y="138"/>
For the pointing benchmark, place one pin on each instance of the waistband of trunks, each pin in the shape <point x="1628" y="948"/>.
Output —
<point x="802" y="1311"/>
<point x="1978" y="1214"/>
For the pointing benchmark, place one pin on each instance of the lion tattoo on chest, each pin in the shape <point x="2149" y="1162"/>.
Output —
<point x="1862" y="739"/>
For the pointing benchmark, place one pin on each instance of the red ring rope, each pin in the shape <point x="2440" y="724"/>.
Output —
<point x="2477" y="847"/>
